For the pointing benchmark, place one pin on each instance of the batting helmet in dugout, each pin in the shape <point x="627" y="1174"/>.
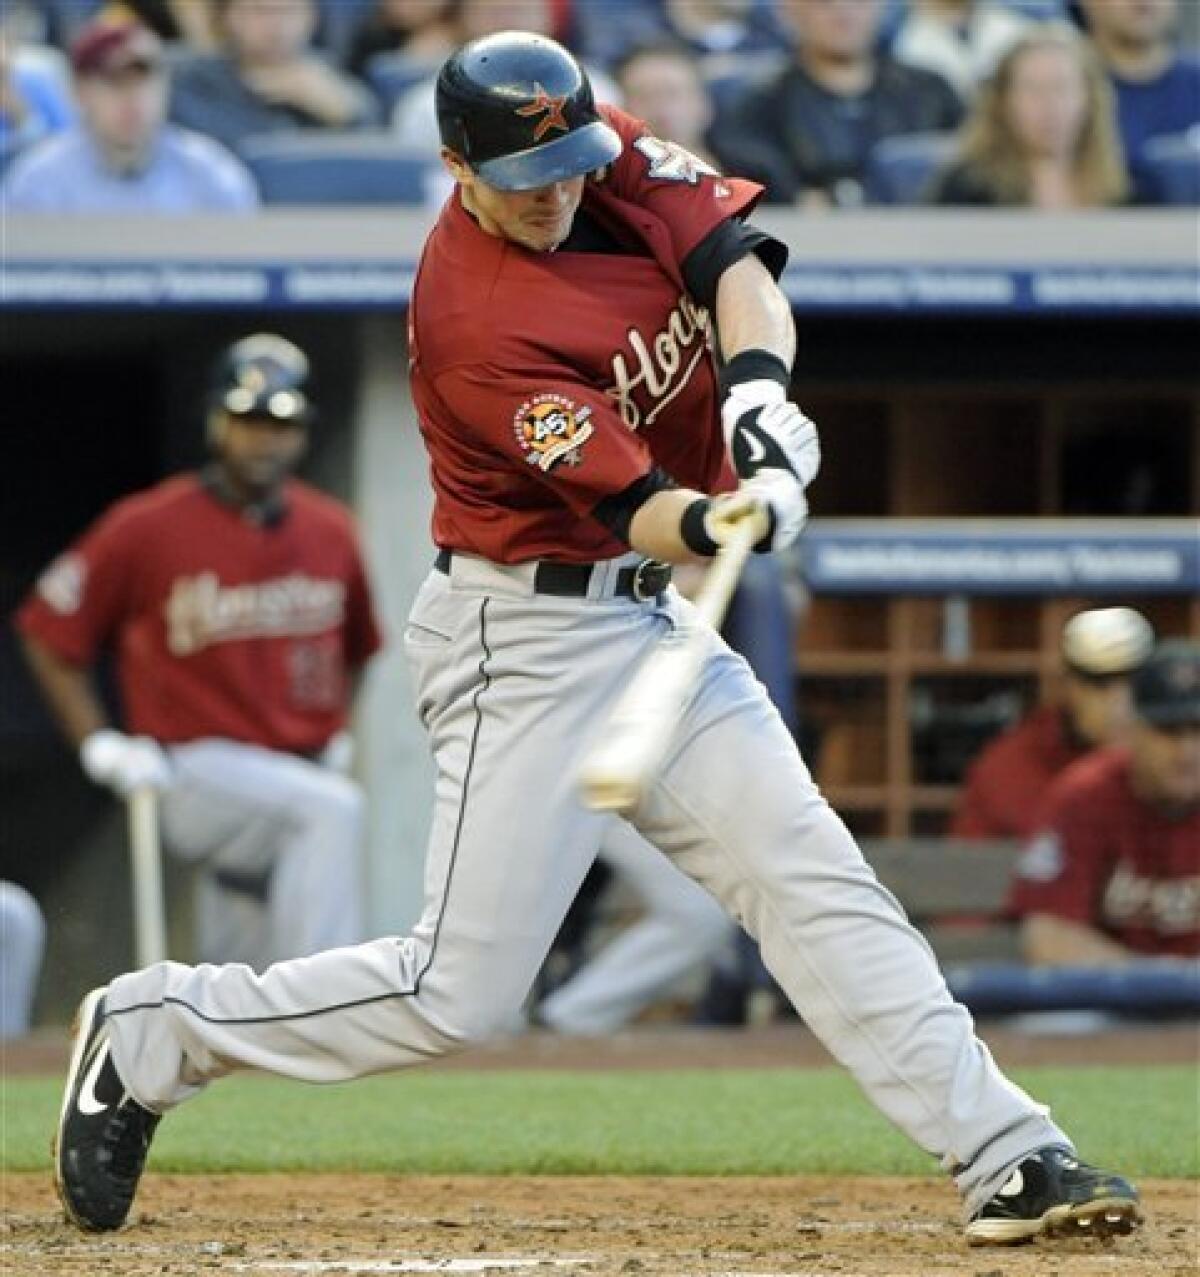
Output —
<point x="518" y="109"/>
<point x="264" y="376"/>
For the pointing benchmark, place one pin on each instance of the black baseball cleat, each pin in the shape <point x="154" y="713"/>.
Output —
<point x="1051" y="1193"/>
<point x="103" y="1132"/>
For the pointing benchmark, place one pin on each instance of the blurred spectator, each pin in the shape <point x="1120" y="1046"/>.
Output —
<point x="812" y="127"/>
<point x="22" y="942"/>
<point x="425" y="31"/>
<point x="960" y="40"/>
<point x="34" y="100"/>
<point x="1113" y="871"/>
<point x="415" y="116"/>
<point x="1158" y="90"/>
<point x="122" y="157"/>
<point x="732" y="35"/>
<point x="1005" y="785"/>
<point x="35" y="90"/>
<point x="1041" y="132"/>
<point x="268" y="78"/>
<point x="188" y="21"/>
<point x="662" y="85"/>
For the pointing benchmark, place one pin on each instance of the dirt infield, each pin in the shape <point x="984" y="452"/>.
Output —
<point x="649" y="1227"/>
<point x="611" y="1227"/>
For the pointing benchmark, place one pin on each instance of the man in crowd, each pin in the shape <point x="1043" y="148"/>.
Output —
<point x="961" y="40"/>
<point x="811" y="128"/>
<point x="122" y="156"/>
<point x="267" y="79"/>
<point x="240" y="611"/>
<point x="1112" y="874"/>
<point x="1158" y="89"/>
<point x="1100" y="650"/>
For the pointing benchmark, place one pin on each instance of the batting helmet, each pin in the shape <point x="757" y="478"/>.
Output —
<point x="519" y="111"/>
<point x="263" y="376"/>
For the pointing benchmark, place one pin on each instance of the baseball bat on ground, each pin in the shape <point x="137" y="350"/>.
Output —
<point x="634" y="741"/>
<point x="145" y="850"/>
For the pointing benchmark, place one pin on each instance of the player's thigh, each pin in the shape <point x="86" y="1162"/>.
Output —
<point x="735" y="800"/>
<point x="507" y="710"/>
<point x="653" y="876"/>
<point x="239" y="801"/>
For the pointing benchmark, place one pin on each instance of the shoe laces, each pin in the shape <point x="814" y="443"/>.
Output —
<point x="127" y="1138"/>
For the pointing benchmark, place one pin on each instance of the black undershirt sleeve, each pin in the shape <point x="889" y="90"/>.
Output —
<point x="616" y="511"/>
<point x="720" y="249"/>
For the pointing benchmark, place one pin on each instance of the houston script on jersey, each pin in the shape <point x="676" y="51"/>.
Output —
<point x="223" y="626"/>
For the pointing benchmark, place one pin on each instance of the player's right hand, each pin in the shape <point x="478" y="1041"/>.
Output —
<point x="773" y="499"/>
<point x="124" y="763"/>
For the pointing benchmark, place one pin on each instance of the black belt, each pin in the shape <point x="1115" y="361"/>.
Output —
<point x="642" y="581"/>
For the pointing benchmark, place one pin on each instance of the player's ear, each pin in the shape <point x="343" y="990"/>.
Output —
<point x="215" y="428"/>
<point x="456" y="166"/>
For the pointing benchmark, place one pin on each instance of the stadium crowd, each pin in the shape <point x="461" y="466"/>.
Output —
<point x="188" y="105"/>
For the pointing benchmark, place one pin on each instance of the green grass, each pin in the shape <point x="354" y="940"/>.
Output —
<point x="1143" y="1120"/>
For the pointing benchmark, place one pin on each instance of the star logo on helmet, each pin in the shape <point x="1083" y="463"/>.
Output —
<point x="553" y="108"/>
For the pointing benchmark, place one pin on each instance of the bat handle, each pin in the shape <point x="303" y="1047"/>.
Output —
<point x="149" y="909"/>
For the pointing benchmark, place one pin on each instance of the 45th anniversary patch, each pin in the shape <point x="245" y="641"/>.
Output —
<point x="550" y="428"/>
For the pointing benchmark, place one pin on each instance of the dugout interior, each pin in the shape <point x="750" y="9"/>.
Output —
<point x="1010" y="416"/>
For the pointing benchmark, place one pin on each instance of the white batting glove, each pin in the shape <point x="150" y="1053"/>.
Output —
<point x="773" y="499"/>
<point x="338" y="754"/>
<point x="124" y="763"/>
<point x="765" y="430"/>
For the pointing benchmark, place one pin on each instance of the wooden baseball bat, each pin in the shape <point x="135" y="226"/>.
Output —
<point x="145" y="851"/>
<point x="631" y="748"/>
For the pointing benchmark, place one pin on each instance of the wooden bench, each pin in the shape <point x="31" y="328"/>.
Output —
<point x="954" y="891"/>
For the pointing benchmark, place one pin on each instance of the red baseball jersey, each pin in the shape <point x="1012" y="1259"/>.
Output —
<point x="222" y="626"/>
<point x="1007" y="782"/>
<point x="546" y="382"/>
<point x="1105" y="858"/>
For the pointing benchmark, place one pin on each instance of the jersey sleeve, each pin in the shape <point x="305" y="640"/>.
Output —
<point x="562" y="431"/>
<point x="1065" y="865"/>
<point x="80" y="599"/>
<point x="686" y="192"/>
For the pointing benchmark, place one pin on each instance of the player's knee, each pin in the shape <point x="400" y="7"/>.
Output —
<point x="337" y="804"/>
<point x="461" y="1022"/>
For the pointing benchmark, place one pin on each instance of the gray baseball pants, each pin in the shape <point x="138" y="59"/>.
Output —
<point x="512" y="687"/>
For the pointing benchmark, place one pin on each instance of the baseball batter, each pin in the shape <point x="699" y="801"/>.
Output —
<point x="569" y="398"/>
<point x="240" y="612"/>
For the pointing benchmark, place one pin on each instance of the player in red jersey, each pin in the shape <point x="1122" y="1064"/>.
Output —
<point x="580" y="443"/>
<point x="1005" y="785"/>
<point x="240" y="613"/>
<point x="1113" y="872"/>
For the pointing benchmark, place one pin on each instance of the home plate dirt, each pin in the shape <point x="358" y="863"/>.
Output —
<point x="309" y="1225"/>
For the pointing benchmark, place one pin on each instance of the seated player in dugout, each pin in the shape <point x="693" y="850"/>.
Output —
<point x="583" y="439"/>
<point x="239" y="610"/>
<point x="1112" y="873"/>
<point x="1005" y="785"/>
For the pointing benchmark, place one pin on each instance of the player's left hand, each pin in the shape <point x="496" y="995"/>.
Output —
<point x="773" y="499"/>
<point x="765" y="430"/>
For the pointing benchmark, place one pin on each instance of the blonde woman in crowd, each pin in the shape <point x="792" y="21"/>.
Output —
<point x="1042" y="131"/>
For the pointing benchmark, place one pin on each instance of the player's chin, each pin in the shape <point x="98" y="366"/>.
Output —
<point x="544" y="237"/>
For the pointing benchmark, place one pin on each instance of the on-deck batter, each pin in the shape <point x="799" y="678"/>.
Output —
<point x="240" y="611"/>
<point x="569" y="400"/>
